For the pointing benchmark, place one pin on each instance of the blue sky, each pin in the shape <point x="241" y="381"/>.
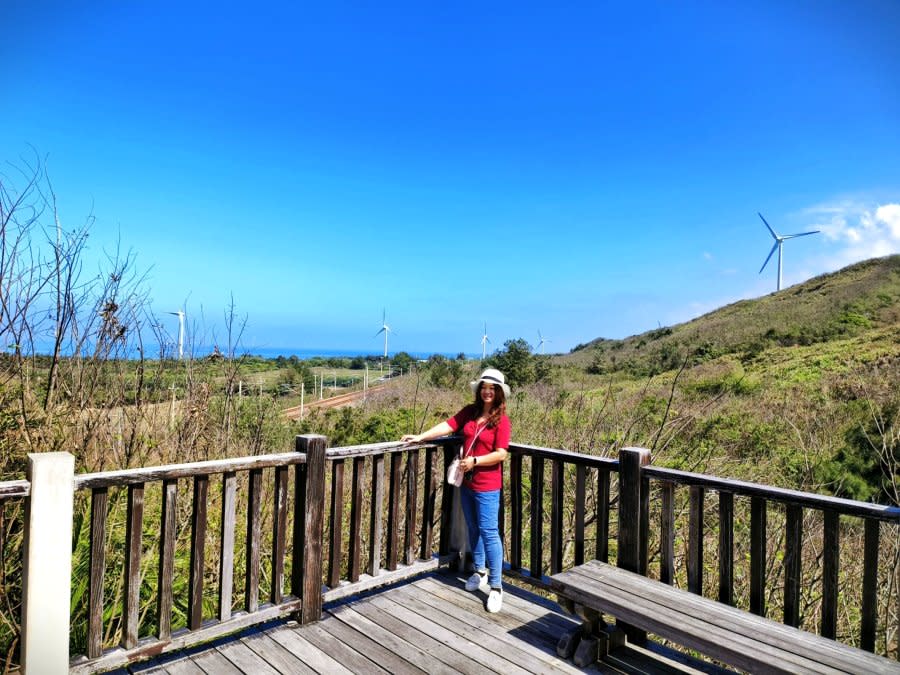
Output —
<point x="584" y="169"/>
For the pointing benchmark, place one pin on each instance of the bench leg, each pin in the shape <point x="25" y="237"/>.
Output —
<point x="587" y="643"/>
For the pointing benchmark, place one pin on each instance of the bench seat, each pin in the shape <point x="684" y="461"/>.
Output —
<point x="738" y="638"/>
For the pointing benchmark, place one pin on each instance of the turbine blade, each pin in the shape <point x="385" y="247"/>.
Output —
<point x="774" y="246"/>
<point x="801" y="234"/>
<point x="768" y="226"/>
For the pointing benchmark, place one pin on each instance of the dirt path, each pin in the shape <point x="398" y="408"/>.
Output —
<point x="338" y="401"/>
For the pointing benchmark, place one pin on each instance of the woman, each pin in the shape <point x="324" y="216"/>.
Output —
<point x="486" y="432"/>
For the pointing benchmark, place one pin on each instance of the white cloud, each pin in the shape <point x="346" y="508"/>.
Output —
<point x="856" y="230"/>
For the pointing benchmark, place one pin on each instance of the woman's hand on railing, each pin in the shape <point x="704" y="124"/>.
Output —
<point x="411" y="438"/>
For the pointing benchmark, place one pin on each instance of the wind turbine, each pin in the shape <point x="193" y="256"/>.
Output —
<point x="484" y="340"/>
<point x="384" y="329"/>
<point x="541" y="341"/>
<point x="180" y="315"/>
<point x="779" y="241"/>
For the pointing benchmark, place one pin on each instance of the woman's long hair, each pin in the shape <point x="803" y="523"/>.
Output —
<point x="498" y="407"/>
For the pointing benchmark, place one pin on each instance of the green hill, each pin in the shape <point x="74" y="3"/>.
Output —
<point x="849" y="303"/>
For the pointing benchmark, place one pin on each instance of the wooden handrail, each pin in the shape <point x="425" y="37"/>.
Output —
<point x="784" y="495"/>
<point x="400" y="537"/>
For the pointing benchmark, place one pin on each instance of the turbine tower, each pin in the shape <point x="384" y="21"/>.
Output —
<point x="384" y="329"/>
<point x="484" y="341"/>
<point x="180" y="315"/>
<point x="541" y="341"/>
<point x="779" y="241"/>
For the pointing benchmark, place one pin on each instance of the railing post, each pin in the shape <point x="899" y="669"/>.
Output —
<point x="631" y="501"/>
<point x="47" y="574"/>
<point x="313" y="526"/>
<point x="633" y="522"/>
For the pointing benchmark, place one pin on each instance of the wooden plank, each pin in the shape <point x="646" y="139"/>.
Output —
<point x="430" y="498"/>
<point x="212" y="661"/>
<point x="312" y="561"/>
<point x="442" y="655"/>
<point x="602" y="515"/>
<point x="198" y="549"/>
<point x="631" y="463"/>
<point x="758" y="556"/>
<point x="695" y="541"/>
<point x="515" y="511"/>
<point x="404" y="648"/>
<point x="254" y="535"/>
<point x="133" y="548"/>
<point x="674" y="608"/>
<point x="352" y="634"/>
<point x="512" y="626"/>
<point x="279" y="533"/>
<point x="830" y="566"/>
<point x="457" y="637"/>
<point x="412" y="503"/>
<point x="298" y="537"/>
<point x="447" y="500"/>
<point x="294" y="642"/>
<point x="376" y="514"/>
<point x="276" y="655"/>
<point x="869" y="587"/>
<point x="644" y="541"/>
<point x="793" y="548"/>
<point x="166" y="561"/>
<point x="537" y="517"/>
<point x="393" y="520"/>
<point x="14" y="489"/>
<point x="695" y="629"/>
<point x="336" y="524"/>
<point x="667" y="533"/>
<point x="226" y="545"/>
<point x="182" y="666"/>
<point x="245" y="659"/>
<point x="567" y="456"/>
<point x="580" y="499"/>
<point x="152" y="474"/>
<point x="99" y="505"/>
<point x="367" y="583"/>
<point x="509" y="654"/>
<point x="847" y="507"/>
<point x="317" y="635"/>
<point x="556" y="515"/>
<point x="356" y="507"/>
<point x="726" y="548"/>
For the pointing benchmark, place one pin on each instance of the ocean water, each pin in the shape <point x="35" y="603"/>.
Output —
<point x="308" y="353"/>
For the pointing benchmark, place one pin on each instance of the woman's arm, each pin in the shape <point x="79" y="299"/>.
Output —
<point x="440" y="429"/>
<point x="489" y="459"/>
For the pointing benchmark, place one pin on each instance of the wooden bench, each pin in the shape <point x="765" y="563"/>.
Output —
<point x="732" y="636"/>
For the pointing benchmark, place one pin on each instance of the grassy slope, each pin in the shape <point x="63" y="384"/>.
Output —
<point x="778" y="389"/>
<point x="847" y="303"/>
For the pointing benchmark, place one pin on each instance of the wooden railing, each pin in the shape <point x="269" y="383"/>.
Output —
<point x="645" y="495"/>
<point x="328" y="523"/>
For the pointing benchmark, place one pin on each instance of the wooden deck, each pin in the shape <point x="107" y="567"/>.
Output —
<point x="428" y="625"/>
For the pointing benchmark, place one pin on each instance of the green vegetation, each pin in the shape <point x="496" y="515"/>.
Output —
<point x="795" y="389"/>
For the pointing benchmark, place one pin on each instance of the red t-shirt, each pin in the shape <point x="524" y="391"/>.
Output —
<point x="484" y="478"/>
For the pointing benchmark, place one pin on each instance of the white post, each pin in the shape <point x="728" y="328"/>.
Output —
<point x="47" y="573"/>
<point x="302" y="392"/>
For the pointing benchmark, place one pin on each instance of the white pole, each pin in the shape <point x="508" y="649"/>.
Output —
<point x="47" y="573"/>
<point x="302" y="392"/>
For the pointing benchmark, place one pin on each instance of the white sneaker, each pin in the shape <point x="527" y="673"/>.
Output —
<point x="495" y="600"/>
<point x="477" y="582"/>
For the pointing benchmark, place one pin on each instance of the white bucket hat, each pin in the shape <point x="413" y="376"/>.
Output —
<point x="493" y="376"/>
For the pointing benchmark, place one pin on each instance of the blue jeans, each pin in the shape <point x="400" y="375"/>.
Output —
<point x="482" y="511"/>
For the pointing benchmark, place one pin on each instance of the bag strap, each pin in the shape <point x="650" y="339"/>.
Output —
<point x="475" y="438"/>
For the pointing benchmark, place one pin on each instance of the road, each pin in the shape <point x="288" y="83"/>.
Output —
<point x="338" y="401"/>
